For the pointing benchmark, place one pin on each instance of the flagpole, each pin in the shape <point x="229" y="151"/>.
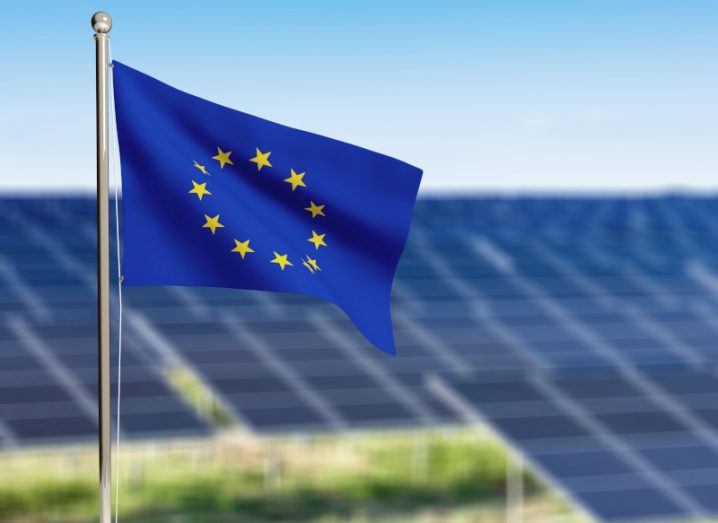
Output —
<point x="101" y="24"/>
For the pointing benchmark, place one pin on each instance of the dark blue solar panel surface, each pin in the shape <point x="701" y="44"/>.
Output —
<point x="48" y="344"/>
<point x="622" y="444"/>
<point x="609" y="304"/>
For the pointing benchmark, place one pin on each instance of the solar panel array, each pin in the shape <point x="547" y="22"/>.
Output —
<point x="573" y="325"/>
<point x="48" y="335"/>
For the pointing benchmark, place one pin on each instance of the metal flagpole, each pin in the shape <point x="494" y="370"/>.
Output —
<point x="102" y="23"/>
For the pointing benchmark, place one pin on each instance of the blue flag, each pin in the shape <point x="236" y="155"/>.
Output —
<point x="215" y="197"/>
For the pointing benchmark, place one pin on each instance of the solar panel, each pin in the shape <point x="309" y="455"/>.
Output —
<point x="48" y="346"/>
<point x="49" y="383"/>
<point x="621" y="450"/>
<point x="33" y="405"/>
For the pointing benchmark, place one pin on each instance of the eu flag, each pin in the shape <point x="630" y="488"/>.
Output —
<point x="218" y="198"/>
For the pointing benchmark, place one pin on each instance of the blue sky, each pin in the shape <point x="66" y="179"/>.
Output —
<point x="483" y="95"/>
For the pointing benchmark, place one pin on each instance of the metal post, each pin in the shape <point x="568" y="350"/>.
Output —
<point x="102" y="23"/>
<point x="514" y="489"/>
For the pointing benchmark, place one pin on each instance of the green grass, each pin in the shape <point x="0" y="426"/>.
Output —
<point x="189" y="386"/>
<point x="372" y="477"/>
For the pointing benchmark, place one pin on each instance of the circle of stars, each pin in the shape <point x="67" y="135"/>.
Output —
<point x="243" y="247"/>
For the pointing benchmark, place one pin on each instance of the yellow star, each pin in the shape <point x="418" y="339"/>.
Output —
<point x="311" y="265"/>
<point x="296" y="179"/>
<point x="281" y="260"/>
<point x="200" y="189"/>
<point x="212" y="223"/>
<point x="202" y="168"/>
<point x="261" y="159"/>
<point x="223" y="158"/>
<point x="242" y="247"/>
<point x="316" y="210"/>
<point x="317" y="240"/>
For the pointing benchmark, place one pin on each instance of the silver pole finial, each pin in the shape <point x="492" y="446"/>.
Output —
<point x="101" y="22"/>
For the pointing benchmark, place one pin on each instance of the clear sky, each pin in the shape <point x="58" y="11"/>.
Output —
<point x="503" y="94"/>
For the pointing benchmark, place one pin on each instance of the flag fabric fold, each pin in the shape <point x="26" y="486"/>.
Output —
<point x="215" y="197"/>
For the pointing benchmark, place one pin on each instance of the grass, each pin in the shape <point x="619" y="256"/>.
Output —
<point x="382" y="477"/>
<point x="189" y="386"/>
